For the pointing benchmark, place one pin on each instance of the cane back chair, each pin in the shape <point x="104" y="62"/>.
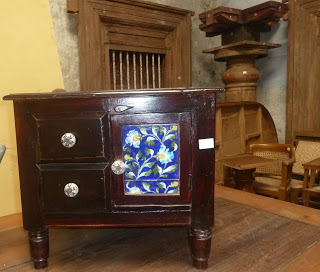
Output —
<point x="274" y="179"/>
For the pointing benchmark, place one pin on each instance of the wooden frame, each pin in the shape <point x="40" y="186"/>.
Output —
<point x="303" y="67"/>
<point x="131" y="25"/>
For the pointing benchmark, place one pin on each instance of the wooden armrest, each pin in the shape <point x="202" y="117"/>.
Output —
<point x="289" y="162"/>
<point x="286" y="172"/>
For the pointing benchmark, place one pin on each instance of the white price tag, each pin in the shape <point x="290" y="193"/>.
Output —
<point x="206" y="143"/>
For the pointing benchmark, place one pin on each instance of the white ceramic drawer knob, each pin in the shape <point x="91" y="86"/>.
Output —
<point x="68" y="140"/>
<point x="71" y="189"/>
<point x="118" y="167"/>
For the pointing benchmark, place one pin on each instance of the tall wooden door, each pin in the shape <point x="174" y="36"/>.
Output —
<point x="303" y="96"/>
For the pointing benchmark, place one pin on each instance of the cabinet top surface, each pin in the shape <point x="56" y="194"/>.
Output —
<point x="61" y="94"/>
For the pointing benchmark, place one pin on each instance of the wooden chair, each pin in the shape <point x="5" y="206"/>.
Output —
<point x="311" y="188"/>
<point x="307" y="145"/>
<point x="275" y="179"/>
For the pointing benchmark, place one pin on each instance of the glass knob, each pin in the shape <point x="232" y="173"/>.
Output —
<point x="71" y="189"/>
<point x="68" y="140"/>
<point x="118" y="167"/>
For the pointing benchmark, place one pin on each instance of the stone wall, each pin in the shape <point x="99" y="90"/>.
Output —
<point x="65" y="26"/>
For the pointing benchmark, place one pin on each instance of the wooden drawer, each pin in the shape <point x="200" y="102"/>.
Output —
<point x="88" y="128"/>
<point x="58" y="180"/>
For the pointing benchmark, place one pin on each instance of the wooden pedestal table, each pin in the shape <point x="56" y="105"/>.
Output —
<point x="243" y="166"/>
<point x="309" y="187"/>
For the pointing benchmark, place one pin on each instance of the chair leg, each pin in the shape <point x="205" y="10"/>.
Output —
<point x="294" y="196"/>
<point x="306" y="193"/>
<point x="306" y="198"/>
<point x="282" y="195"/>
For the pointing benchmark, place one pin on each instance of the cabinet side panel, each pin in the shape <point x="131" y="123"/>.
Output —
<point x="26" y="147"/>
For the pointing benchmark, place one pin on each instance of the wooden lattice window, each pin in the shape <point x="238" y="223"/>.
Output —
<point x="158" y="37"/>
<point x="136" y="70"/>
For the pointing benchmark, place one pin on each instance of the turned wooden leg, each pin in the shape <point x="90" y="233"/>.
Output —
<point x="39" y="248"/>
<point x="200" y="246"/>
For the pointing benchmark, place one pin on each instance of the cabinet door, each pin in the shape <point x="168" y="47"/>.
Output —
<point x="156" y="152"/>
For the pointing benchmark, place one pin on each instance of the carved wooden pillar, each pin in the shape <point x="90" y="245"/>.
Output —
<point x="241" y="45"/>
<point x="241" y="75"/>
<point x="240" y="79"/>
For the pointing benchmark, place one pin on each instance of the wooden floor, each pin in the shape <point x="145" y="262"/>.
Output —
<point x="251" y="233"/>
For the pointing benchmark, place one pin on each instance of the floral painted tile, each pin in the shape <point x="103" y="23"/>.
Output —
<point x="151" y="155"/>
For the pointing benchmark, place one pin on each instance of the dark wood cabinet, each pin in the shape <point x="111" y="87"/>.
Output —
<point x="108" y="159"/>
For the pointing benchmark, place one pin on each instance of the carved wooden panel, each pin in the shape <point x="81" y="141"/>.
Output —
<point x="119" y="41"/>
<point x="303" y="94"/>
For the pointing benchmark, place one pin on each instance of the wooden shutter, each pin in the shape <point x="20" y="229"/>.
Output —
<point x="303" y="93"/>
